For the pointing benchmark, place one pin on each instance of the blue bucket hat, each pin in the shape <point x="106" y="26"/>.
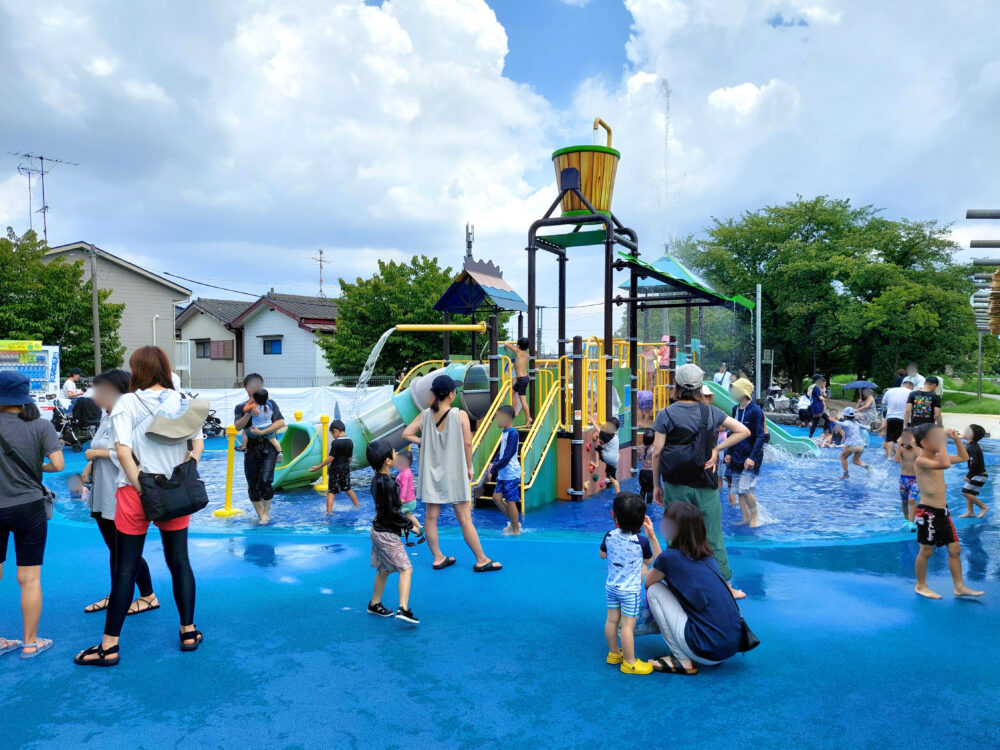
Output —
<point x="14" y="389"/>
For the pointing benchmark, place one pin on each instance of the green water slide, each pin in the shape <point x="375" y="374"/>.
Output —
<point x="797" y="446"/>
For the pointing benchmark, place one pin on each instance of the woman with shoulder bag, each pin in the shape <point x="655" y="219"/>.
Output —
<point x="25" y="442"/>
<point x="143" y="454"/>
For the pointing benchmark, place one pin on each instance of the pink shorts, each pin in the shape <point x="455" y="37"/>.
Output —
<point x="130" y="518"/>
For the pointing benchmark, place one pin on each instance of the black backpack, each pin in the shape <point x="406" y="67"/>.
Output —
<point x="683" y="461"/>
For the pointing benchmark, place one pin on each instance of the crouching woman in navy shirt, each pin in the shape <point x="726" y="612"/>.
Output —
<point x="688" y="597"/>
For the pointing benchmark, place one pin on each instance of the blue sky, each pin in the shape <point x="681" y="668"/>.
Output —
<point x="227" y="141"/>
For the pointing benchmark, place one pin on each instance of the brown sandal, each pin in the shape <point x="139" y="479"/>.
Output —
<point x="671" y="665"/>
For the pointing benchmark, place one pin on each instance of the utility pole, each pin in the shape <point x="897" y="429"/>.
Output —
<point x="44" y="210"/>
<point x="94" y="309"/>
<point x="322" y="262"/>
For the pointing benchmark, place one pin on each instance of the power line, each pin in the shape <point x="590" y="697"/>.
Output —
<point x="213" y="286"/>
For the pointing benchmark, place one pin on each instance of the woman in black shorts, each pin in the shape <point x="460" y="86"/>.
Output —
<point x="26" y="442"/>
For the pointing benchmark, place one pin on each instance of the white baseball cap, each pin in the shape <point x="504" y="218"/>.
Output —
<point x="689" y="376"/>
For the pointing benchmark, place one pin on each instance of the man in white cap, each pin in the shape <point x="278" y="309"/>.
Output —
<point x="723" y="377"/>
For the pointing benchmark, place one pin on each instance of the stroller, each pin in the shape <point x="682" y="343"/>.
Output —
<point x="77" y="426"/>
<point x="213" y="426"/>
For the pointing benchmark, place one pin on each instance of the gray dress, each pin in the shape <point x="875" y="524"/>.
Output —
<point x="444" y="472"/>
<point x="105" y="473"/>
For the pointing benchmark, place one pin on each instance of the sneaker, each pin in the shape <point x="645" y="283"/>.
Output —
<point x="406" y="615"/>
<point x="379" y="609"/>
<point x="637" y="667"/>
<point x="615" y="657"/>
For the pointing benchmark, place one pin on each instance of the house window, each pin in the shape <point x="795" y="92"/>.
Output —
<point x="203" y="349"/>
<point x="272" y="346"/>
<point x="222" y="349"/>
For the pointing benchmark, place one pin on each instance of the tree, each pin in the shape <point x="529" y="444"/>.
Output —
<point x="845" y="287"/>
<point x="398" y="293"/>
<point x="49" y="302"/>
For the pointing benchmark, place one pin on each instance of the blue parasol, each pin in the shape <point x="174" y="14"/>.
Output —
<point x="853" y="386"/>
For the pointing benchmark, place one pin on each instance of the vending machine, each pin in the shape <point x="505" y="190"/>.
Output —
<point x="39" y="363"/>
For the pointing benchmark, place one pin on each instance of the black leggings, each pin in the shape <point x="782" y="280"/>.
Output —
<point x="175" y="551"/>
<point x="816" y="421"/>
<point x="109" y="532"/>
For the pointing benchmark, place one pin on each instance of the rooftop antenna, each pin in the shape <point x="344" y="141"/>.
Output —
<point x="470" y="237"/>
<point x="44" y="210"/>
<point x="322" y="262"/>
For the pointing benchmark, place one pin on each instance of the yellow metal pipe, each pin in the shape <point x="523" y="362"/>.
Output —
<point x="324" y="484"/>
<point x="425" y="327"/>
<point x="229" y="511"/>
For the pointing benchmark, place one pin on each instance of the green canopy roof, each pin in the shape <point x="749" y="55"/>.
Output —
<point x="667" y="273"/>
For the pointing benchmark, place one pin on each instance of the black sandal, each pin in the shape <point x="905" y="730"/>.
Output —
<point x="191" y="639"/>
<point x="488" y="567"/>
<point x="418" y="540"/>
<point x="102" y="659"/>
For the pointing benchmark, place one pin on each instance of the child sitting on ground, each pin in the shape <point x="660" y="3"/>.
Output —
<point x="338" y="477"/>
<point x="388" y="553"/>
<point x="934" y="526"/>
<point x="644" y="460"/>
<point x="909" y="490"/>
<point x="975" y="476"/>
<point x="628" y="554"/>
<point x="407" y="493"/>
<point x="607" y="448"/>
<point x="854" y="441"/>
<point x="522" y="357"/>
<point x="263" y="419"/>
<point x="506" y="471"/>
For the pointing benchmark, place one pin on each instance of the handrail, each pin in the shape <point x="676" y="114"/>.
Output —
<point x="436" y="363"/>
<point x="541" y="419"/>
<point x="485" y="424"/>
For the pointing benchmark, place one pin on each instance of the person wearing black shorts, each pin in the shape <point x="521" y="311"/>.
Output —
<point x="339" y="459"/>
<point x="26" y="442"/>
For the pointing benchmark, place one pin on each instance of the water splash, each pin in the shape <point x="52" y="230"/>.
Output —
<point x="369" y="369"/>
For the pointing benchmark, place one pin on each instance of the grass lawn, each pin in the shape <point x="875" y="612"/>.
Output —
<point x="969" y="384"/>
<point x="961" y="403"/>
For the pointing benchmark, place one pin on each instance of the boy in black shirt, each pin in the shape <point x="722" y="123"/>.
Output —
<point x="339" y="460"/>
<point x="388" y="553"/>
<point x="976" y="475"/>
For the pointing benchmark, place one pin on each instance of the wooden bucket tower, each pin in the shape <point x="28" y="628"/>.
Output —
<point x="597" y="166"/>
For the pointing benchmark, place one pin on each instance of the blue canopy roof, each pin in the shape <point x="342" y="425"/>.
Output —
<point x="480" y="282"/>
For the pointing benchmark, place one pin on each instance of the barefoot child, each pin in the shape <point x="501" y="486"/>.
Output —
<point x="506" y="471"/>
<point x="607" y="448"/>
<point x="407" y="493"/>
<point x="339" y="460"/>
<point x="521" y="357"/>
<point x="628" y="553"/>
<point x="909" y="490"/>
<point x="934" y="526"/>
<point x="975" y="476"/>
<point x="388" y="553"/>
<point x="854" y="441"/>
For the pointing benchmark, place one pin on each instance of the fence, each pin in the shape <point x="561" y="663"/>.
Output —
<point x="290" y="381"/>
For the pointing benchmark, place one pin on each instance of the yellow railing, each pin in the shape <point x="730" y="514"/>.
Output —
<point x="546" y="422"/>
<point x="422" y="369"/>
<point x="487" y="435"/>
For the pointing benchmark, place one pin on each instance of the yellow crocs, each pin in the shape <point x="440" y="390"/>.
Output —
<point x="615" y="657"/>
<point x="637" y="667"/>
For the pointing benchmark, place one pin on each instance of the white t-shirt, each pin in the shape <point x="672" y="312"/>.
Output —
<point x="130" y="418"/>
<point x="69" y="387"/>
<point x="917" y="380"/>
<point x="894" y="402"/>
<point x="725" y="379"/>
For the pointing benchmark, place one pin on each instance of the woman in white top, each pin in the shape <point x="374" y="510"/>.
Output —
<point x="152" y="395"/>
<point x="102" y="470"/>
<point x="445" y="440"/>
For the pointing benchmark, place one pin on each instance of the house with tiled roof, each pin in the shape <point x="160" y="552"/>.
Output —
<point x="280" y="335"/>
<point x="214" y="349"/>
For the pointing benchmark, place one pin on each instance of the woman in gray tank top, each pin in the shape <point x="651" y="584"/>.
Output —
<point x="445" y="471"/>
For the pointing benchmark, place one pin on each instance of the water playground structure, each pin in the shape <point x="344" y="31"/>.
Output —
<point x="585" y="383"/>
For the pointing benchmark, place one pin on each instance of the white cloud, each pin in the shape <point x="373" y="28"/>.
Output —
<point x="101" y="67"/>
<point x="146" y="91"/>
<point x="776" y="98"/>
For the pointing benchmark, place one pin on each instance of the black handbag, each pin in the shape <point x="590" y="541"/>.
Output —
<point x="166" y="498"/>
<point x="48" y="496"/>
<point x="748" y="641"/>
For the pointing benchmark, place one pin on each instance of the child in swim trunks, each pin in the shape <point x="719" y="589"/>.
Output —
<point x="975" y="476"/>
<point x="407" y="492"/>
<point x="909" y="490"/>
<point x="521" y="360"/>
<point x="388" y="553"/>
<point x="607" y="448"/>
<point x="628" y="553"/>
<point x="506" y="471"/>
<point x="934" y="526"/>
<point x="339" y="460"/>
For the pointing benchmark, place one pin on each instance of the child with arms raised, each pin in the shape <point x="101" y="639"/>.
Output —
<point x="934" y="526"/>
<point x="522" y="357"/>
<point x="628" y="554"/>
<point x="607" y="448"/>
<point x="388" y="553"/>
<point x="975" y="476"/>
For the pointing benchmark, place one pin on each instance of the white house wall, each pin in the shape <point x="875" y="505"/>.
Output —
<point x="209" y="373"/>
<point x="297" y="363"/>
